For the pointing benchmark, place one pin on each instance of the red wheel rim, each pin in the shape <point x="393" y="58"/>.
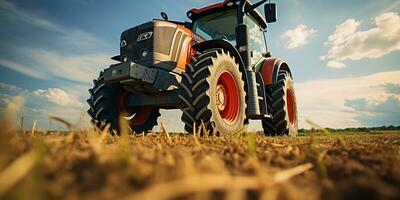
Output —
<point x="290" y="103"/>
<point x="141" y="115"/>
<point x="227" y="97"/>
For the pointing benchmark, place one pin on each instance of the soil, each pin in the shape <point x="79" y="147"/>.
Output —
<point x="87" y="165"/>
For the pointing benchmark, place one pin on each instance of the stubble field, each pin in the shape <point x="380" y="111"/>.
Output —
<point x="91" y="164"/>
<point x="94" y="165"/>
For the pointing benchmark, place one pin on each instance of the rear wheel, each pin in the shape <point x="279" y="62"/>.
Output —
<point x="107" y="104"/>
<point x="213" y="93"/>
<point x="283" y="106"/>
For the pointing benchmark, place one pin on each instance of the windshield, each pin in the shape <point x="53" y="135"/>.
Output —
<point x="257" y="43"/>
<point x="220" y="25"/>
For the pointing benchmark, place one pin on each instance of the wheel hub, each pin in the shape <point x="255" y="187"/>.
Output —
<point x="136" y="116"/>
<point x="227" y="97"/>
<point x="290" y="103"/>
<point x="221" y="97"/>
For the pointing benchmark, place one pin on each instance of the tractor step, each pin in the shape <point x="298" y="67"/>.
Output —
<point x="261" y="95"/>
<point x="265" y="116"/>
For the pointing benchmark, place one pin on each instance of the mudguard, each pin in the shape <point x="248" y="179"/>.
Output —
<point x="269" y="69"/>
<point x="221" y="43"/>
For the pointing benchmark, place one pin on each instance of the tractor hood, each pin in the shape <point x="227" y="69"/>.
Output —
<point x="157" y="43"/>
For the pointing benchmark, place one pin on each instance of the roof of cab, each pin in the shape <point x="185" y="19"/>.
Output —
<point x="195" y="13"/>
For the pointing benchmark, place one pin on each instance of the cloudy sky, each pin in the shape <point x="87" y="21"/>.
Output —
<point x="344" y="55"/>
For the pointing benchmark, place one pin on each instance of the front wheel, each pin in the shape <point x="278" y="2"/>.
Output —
<point x="282" y="103"/>
<point x="213" y="93"/>
<point x="106" y="104"/>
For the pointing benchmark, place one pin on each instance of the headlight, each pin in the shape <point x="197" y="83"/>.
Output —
<point x="144" y="53"/>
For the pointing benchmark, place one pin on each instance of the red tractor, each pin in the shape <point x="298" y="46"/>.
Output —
<point x="216" y="69"/>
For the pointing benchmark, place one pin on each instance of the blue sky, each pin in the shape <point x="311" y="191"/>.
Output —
<point x="344" y="55"/>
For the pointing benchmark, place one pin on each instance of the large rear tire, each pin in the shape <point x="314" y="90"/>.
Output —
<point x="212" y="91"/>
<point x="106" y="106"/>
<point x="281" y="100"/>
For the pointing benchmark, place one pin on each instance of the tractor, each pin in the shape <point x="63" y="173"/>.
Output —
<point x="216" y="69"/>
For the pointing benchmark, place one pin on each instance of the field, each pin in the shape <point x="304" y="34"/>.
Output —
<point x="157" y="166"/>
<point x="95" y="165"/>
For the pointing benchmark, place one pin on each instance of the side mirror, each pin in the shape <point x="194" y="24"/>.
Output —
<point x="270" y="12"/>
<point x="164" y="16"/>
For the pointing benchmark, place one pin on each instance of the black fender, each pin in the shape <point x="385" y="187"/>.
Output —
<point x="270" y="67"/>
<point x="226" y="45"/>
<point x="116" y="58"/>
<point x="267" y="70"/>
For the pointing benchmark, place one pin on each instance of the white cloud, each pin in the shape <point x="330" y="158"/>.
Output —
<point x="255" y="35"/>
<point x="49" y="65"/>
<point x="373" y="113"/>
<point x="19" y="14"/>
<point x="392" y="7"/>
<point x="343" y="32"/>
<point x="73" y="66"/>
<point x="72" y="37"/>
<point x="348" y="43"/>
<point x="80" y="68"/>
<point x="53" y="64"/>
<point x="4" y="99"/>
<point x="58" y="96"/>
<point x="335" y="64"/>
<point x="298" y="36"/>
<point x="63" y="102"/>
<point x="27" y="70"/>
<point x="9" y="87"/>
<point x="324" y="100"/>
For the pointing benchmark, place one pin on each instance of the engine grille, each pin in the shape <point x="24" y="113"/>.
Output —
<point x="160" y="41"/>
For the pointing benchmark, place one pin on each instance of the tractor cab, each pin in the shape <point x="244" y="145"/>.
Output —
<point x="219" y="21"/>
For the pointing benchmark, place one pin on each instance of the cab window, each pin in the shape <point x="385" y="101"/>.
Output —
<point x="257" y="44"/>
<point x="219" y="25"/>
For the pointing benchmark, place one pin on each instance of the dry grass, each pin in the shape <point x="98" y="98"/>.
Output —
<point x="91" y="164"/>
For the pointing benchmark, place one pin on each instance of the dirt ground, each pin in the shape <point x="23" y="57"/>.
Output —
<point x="88" y="165"/>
